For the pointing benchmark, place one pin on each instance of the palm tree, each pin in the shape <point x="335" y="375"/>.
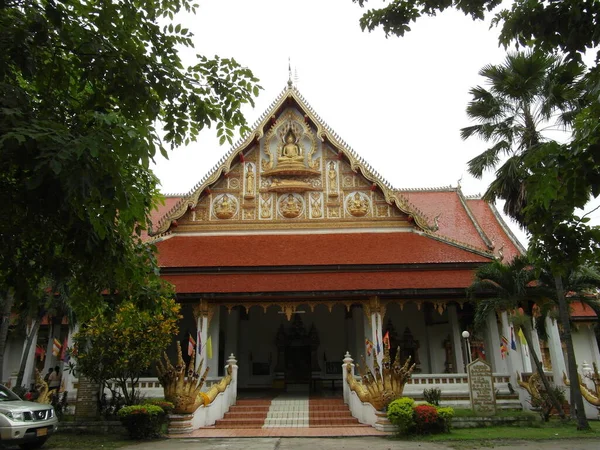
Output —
<point x="509" y="287"/>
<point x="528" y="94"/>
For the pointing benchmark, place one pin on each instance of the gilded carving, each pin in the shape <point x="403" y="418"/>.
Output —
<point x="357" y="204"/>
<point x="183" y="386"/>
<point x="266" y="206"/>
<point x="332" y="177"/>
<point x="249" y="180"/>
<point x="386" y="385"/>
<point x="333" y="213"/>
<point x="290" y="206"/>
<point x="315" y="206"/>
<point x="225" y="206"/>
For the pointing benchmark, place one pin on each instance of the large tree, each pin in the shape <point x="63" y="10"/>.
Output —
<point x="89" y="93"/>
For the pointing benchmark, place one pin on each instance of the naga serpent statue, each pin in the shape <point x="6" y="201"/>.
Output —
<point x="592" y="397"/>
<point x="183" y="385"/>
<point x="386" y="385"/>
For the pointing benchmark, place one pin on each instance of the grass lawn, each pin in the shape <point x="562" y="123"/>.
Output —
<point x="468" y="438"/>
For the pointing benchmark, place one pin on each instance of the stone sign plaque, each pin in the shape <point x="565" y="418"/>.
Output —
<point x="481" y="388"/>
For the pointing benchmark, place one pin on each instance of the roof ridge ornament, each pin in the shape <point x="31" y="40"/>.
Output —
<point x="290" y="82"/>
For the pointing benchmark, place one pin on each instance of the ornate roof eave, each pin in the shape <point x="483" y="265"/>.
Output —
<point x="324" y="132"/>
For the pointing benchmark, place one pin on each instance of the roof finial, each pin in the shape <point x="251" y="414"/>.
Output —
<point x="458" y="182"/>
<point x="290" y="83"/>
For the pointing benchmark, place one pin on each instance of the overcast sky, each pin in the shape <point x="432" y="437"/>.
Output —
<point x="398" y="102"/>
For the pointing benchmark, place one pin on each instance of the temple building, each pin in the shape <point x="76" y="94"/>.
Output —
<point x="293" y="251"/>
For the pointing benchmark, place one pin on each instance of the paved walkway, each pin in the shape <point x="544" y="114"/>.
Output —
<point x="356" y="443"/>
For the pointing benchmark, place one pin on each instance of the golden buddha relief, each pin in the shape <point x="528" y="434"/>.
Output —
<point x="290" y="148"/>
<point x="225" y="206"/>
<point x="357" y="204"/>
<point x="291" y="206"/>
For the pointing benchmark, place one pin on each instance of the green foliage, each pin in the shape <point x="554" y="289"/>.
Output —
<point x="142" y="421"/>
<point x="445" y="414"/>
<point x="166" y="406"/>
<point x="422" y="418"/>
<point x="433" y="396"/>
<point x="400" y="413"/>
<point x="83" y="86"/>
<point x="123" y="343"/>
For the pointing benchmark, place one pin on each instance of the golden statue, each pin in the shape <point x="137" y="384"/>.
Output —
<point x="357" y="205"/>
<point x="291" y="155"/>
<point x="44" y="394"/>
<point x="290" y="207"/>
<point x="386" y="385"/>
<point x="249" y="179"/>
<point x="225" y="207"/>
<point x="332" y="177"/>
<point x="183" y="386"/>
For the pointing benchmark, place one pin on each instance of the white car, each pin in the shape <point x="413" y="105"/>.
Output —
<point x="22" y="423"/>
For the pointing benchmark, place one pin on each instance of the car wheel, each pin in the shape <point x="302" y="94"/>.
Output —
<point x="33" y="445"/>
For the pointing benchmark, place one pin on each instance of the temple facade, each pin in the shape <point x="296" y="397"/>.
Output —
<point x="293" y="251"/>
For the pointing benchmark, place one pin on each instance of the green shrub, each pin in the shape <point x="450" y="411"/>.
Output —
<point x="433" y="396"/>
<point x="142" y="421"/>
<point x="400" y="413"/>
<point x="166" y="406"/>
<point x="445" y="416"/>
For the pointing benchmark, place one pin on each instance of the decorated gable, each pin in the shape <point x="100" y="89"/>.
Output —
<point x="288" y="176"/>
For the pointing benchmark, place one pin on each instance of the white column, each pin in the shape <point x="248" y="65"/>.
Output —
<point x="514" y="360"/>
<point x="455" y="331"/>
<point x="536" y="345"/>
<point x="201" y="359"/>
<point x="377" y="336"/>
<point x="28" y="376"/>
<point x="348" y="361"/>
<point x="556" y="354"/>
<point x="493" y="353"/>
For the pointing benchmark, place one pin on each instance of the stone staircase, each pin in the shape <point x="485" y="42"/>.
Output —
<point x="289" y="411"/>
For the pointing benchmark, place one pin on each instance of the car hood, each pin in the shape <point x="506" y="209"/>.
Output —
<point x="22" y="405"/>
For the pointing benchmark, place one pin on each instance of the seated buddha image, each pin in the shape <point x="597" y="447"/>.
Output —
<point x="225" y="207"/>
<point x="290" y="207"/>
<point x="290" y="153"/>
<point x="357" y="205"/>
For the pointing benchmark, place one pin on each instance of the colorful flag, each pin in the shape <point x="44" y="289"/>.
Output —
<point x="40" y="352"/>
<point x="378" y="348"/>
<point x="503" y="347"/>
<point x="386" y="340"/>
<point x="209" y="347"/>
<point x="522" y="337"/>
<point x="199" y="346"/>
<point x="64" y="353"/>
<point x="56" y="347"/>
<point x="513" y="344"/>
<point x="191" y="346"/>
<point x="480" y="352"/>
<point x="369" y="345"/>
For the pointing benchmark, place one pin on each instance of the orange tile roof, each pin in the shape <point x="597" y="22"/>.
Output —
<point x="580" y="311"/>
<point x="319" y="281"/>
<point x="454" y="221"/>
<point x="309" y="249"/>
<point x="490" y="224"/>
